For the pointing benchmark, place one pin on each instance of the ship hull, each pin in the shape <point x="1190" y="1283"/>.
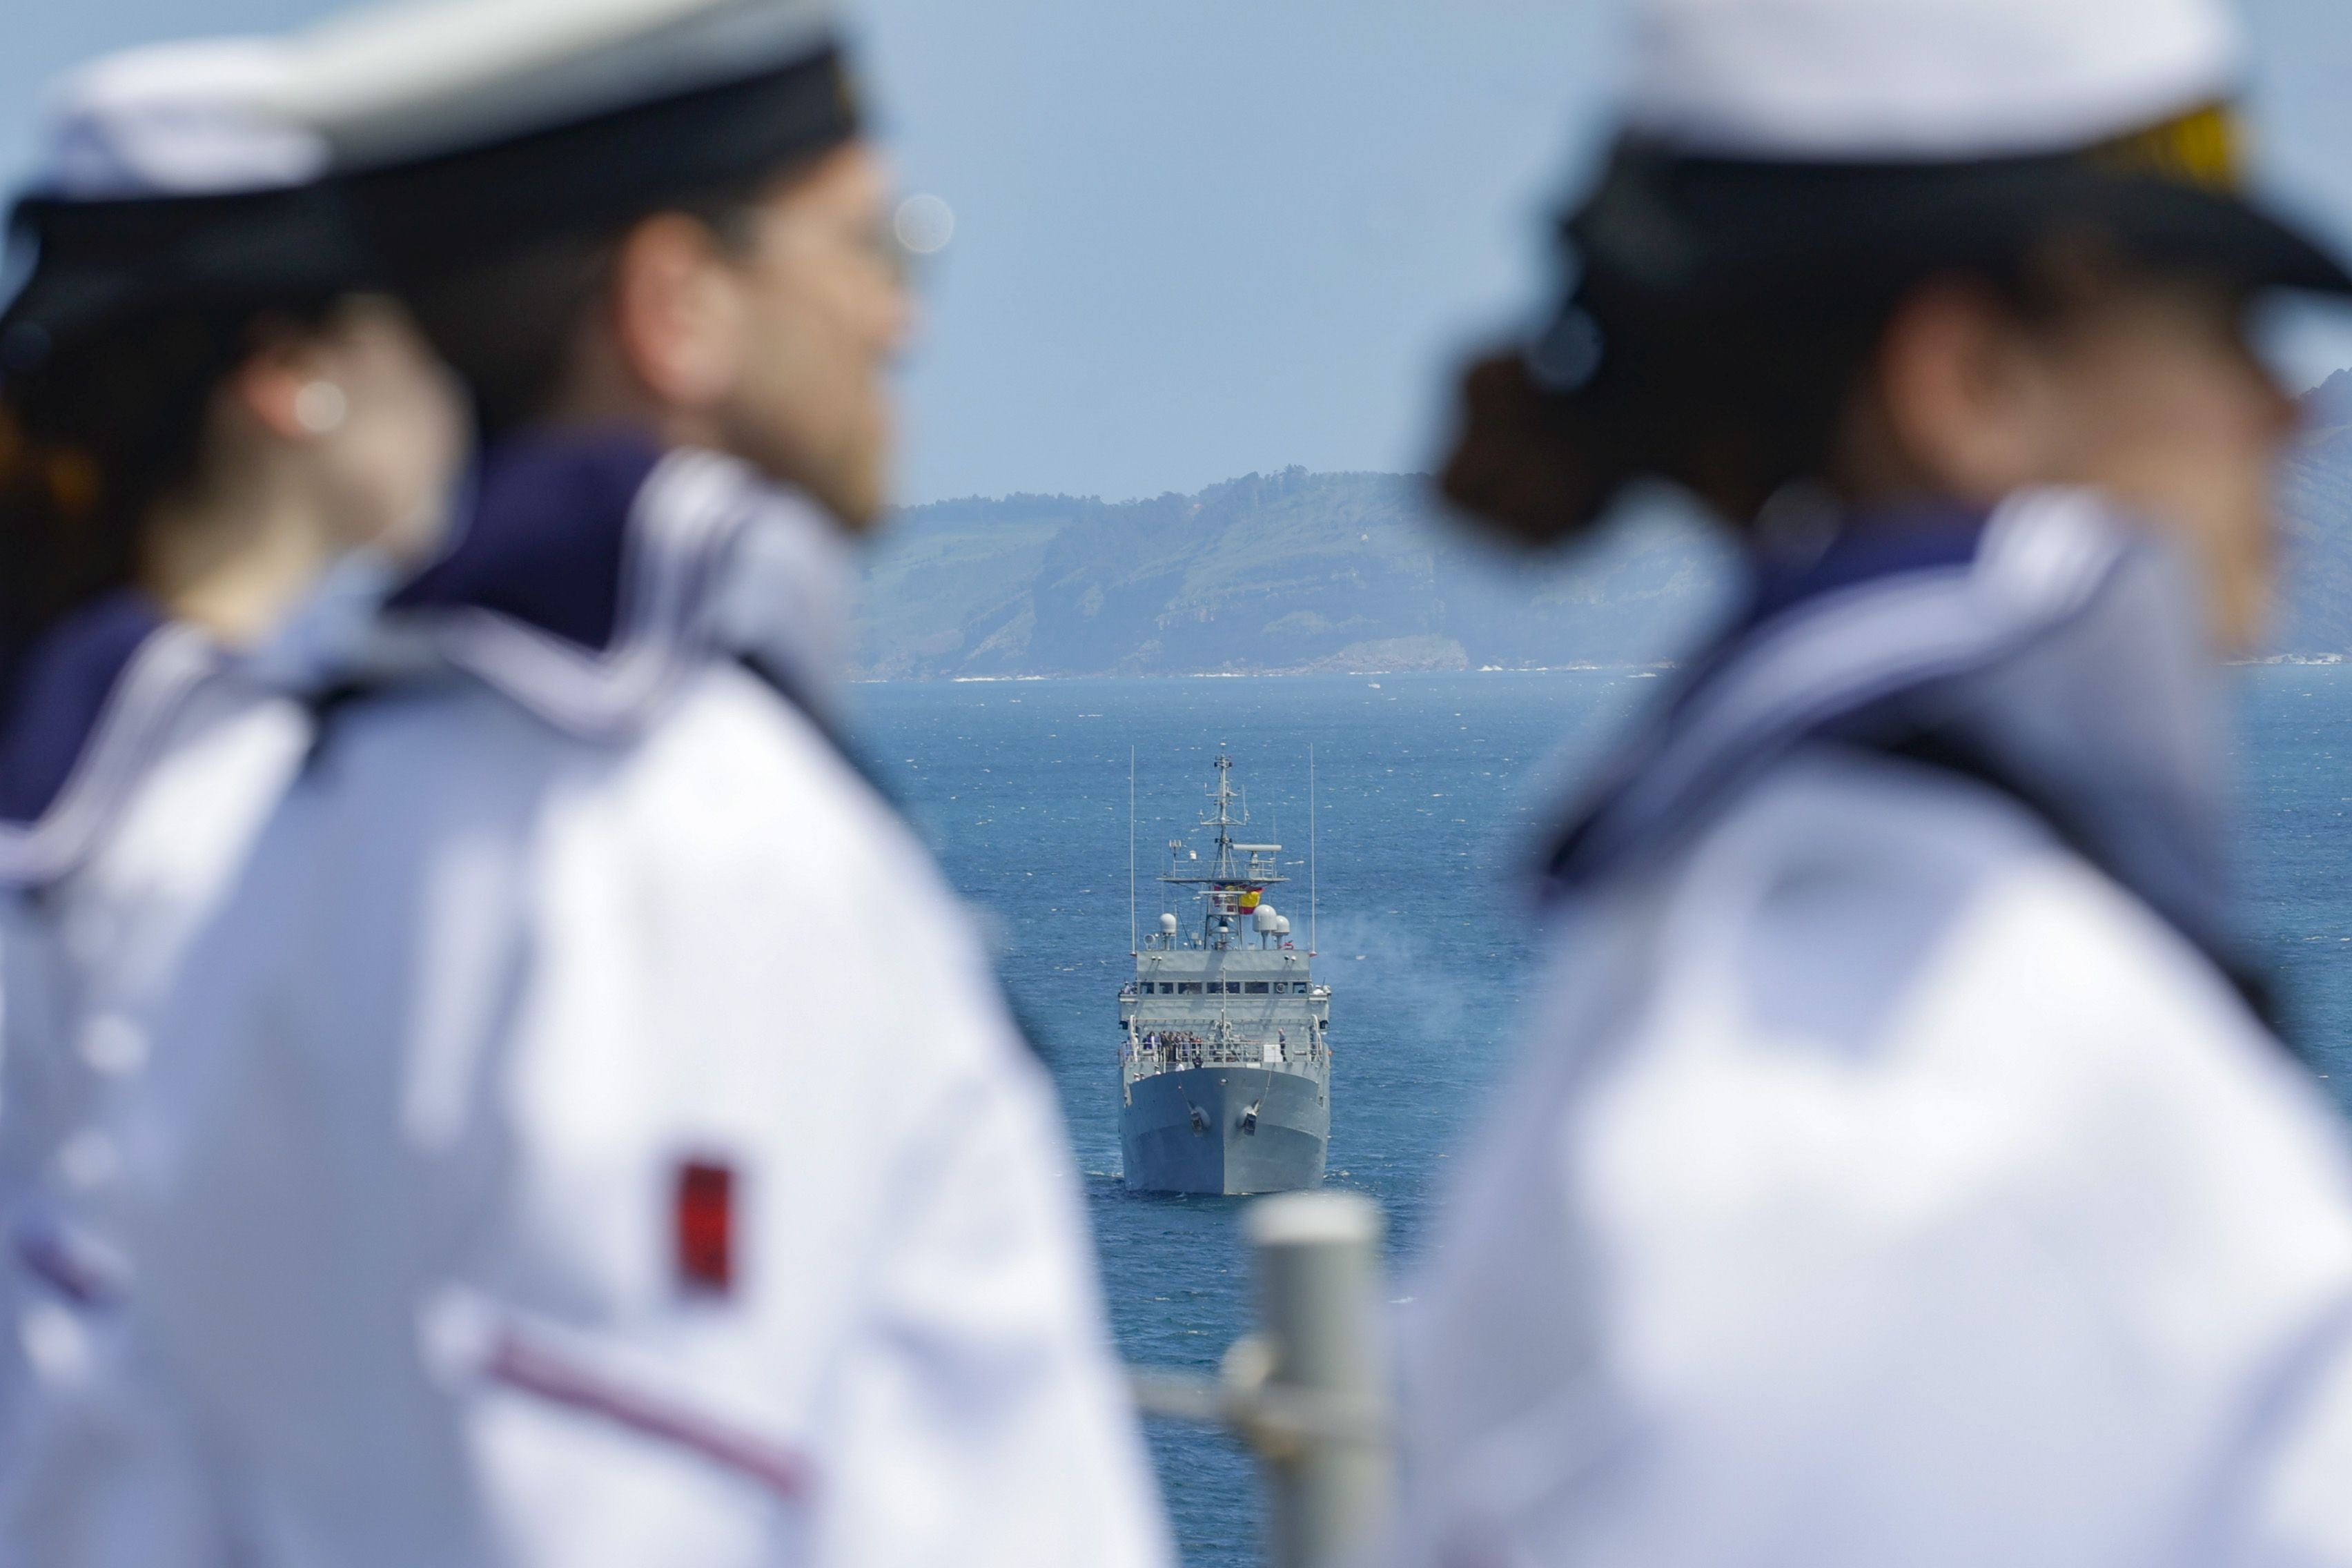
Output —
<point x="1168" y="1150"/>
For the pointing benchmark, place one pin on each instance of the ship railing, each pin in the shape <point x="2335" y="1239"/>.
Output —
<point x="1308" y="1390"/>
<point x="1171" y="1054"/>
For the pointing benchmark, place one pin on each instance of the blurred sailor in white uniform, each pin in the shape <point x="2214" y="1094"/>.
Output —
<point x="594" y="1134"/>
<point x="1898" y="1172"/>
<point x="203" y="418"/>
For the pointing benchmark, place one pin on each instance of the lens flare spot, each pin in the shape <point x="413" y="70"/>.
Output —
<point x="924" y="224"/>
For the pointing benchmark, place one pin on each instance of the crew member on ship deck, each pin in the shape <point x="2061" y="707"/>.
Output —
<point x="1901" y="1170"/>
<point x="557" y="1155"/>
<point x="214" y="440"/>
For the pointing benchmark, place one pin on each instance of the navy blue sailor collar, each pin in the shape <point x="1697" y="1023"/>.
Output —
<point x="2047" y="647"/>
<point x="593" y="570"/>
<point x="90" y="706"/>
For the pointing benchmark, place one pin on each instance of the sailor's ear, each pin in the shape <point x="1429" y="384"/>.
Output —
<point x="1961" y="398"/>
<point x="678" y="312"/>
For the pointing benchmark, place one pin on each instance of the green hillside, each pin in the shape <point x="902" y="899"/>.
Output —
<point x="1284" y="572"/>
<point x="1358" y="571"/>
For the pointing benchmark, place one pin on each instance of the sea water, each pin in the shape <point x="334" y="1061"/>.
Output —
<point x="1433" y="795"/>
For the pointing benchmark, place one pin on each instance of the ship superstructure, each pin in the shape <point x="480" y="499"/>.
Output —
<point x="1224" y="1070"/>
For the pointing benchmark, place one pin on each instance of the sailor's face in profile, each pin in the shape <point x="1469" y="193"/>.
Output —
<point x="394" y="430"/>
<point x="822" y="311"/>
<point x="2144" y="388"/>
<point x="2159" y="402"/>
<point x="344" y="429"/>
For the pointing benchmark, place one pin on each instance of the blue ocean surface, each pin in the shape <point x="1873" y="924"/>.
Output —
<point x="1432" y="794"/>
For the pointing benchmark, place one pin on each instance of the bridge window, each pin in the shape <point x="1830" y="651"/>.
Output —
<point x="1255" y="988"/>
<point x="1168" y="988"/>
<point x="1188" y="988"/>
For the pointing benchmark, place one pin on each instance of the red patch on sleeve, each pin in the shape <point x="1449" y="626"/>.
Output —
<point x="705" y="1227"/>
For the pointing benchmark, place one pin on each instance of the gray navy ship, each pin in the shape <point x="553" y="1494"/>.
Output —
<point x="1224" y="1072"/>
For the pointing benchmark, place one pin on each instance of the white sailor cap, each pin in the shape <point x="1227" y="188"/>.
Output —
<point x="1788" y="170"/>
<point x="170" y="173"/>
<point x="400" y="138"/>
<point x="176" y="120"/>
<point x="405" y="82"/>
<point x="472" y="125"/>
<point x="1875" y="80"/>
<point x="1789" y="153"/>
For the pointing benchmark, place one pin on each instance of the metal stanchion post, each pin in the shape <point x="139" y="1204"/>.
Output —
<point x="1316" y="1257"/>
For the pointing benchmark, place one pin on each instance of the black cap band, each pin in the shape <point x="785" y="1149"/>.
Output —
<point x="1699" y="232"/>
<point x="1669" y="243"/>
<point x="463" y="208"/>
<point x="98" y="262"/>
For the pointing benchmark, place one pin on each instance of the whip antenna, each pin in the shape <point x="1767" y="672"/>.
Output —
<point x="1130" y="852"/>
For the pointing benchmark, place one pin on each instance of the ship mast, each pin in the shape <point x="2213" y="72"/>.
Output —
<point x="1225" y="822"/>
<point x="1237" y="873"/>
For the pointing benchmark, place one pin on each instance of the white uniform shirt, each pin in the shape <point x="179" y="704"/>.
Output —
<point x="174" y="774"/>
<point x="1886" y="1185"/>
<point x="594" y="1136"/>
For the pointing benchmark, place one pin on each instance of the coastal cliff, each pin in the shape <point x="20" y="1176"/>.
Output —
<point x="1361" y="571"/>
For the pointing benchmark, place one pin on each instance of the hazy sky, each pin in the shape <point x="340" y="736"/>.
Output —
<point x="1194" y="240"/>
